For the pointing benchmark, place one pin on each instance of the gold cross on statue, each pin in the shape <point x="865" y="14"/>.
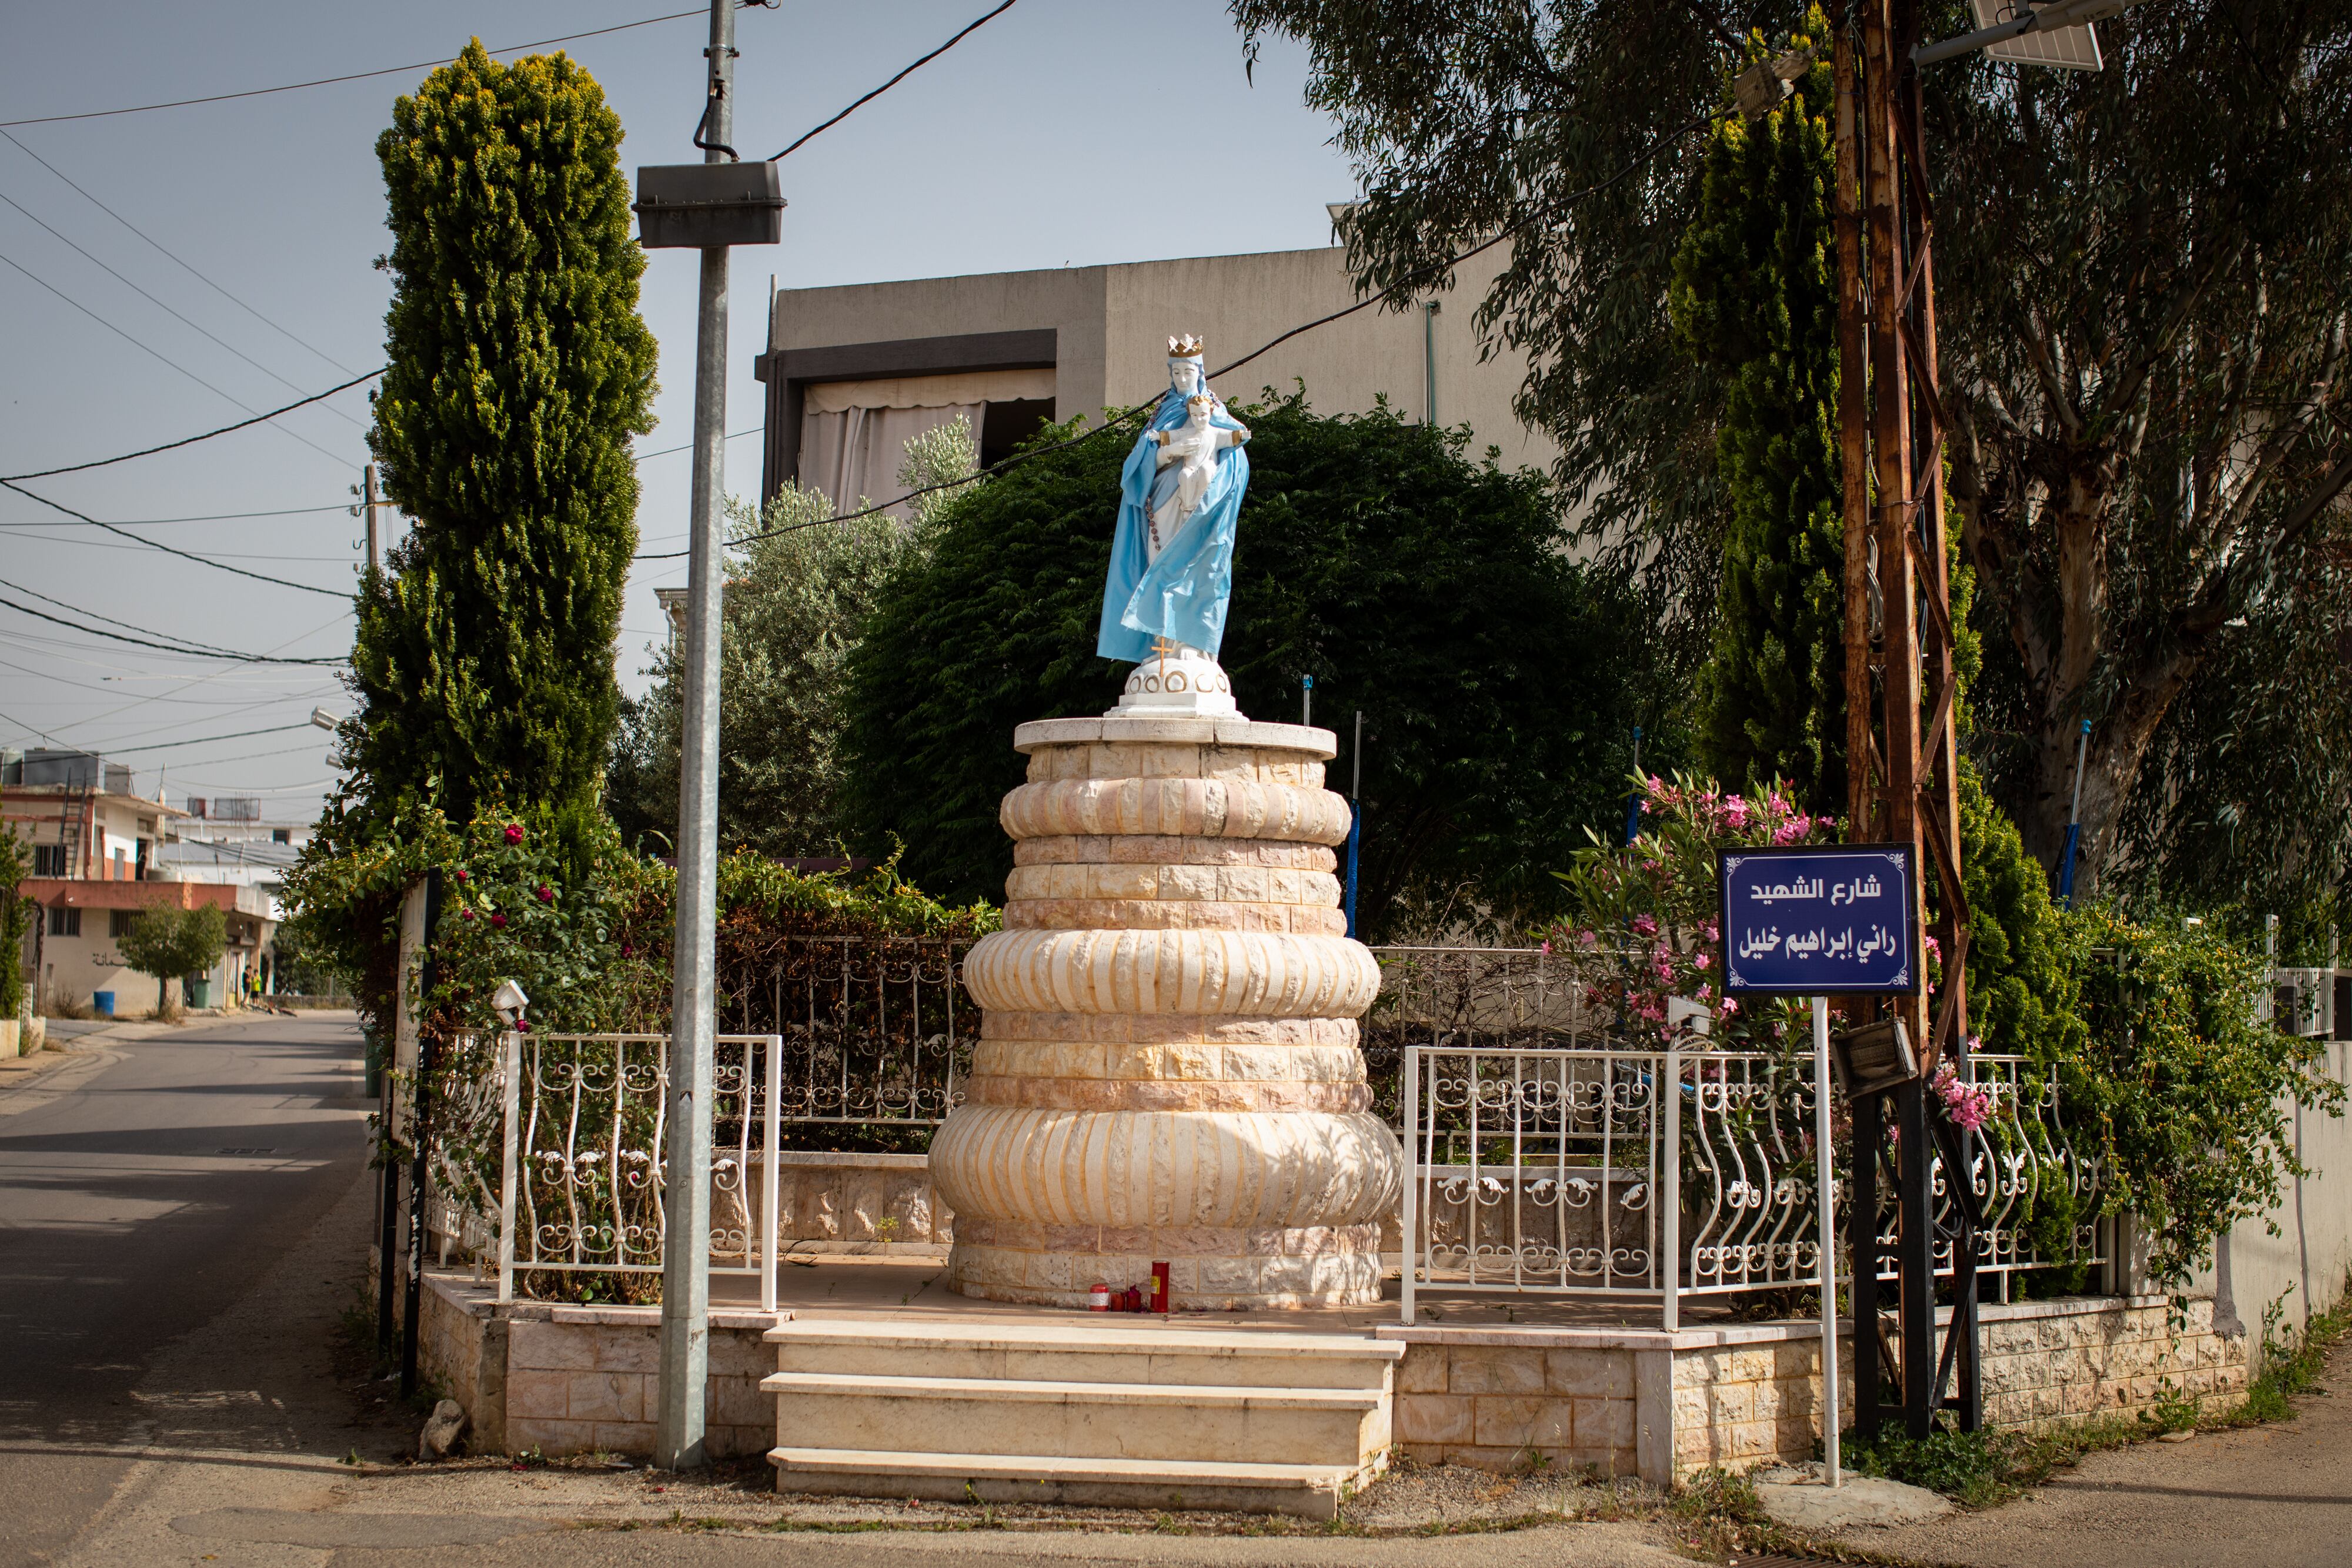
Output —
<point x="1163" y="647"/>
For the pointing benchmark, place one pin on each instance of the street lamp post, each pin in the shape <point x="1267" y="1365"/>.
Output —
<point x="707" y="207"/>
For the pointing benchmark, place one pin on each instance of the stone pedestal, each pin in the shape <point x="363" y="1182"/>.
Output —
<point x="1168" y="1066"/>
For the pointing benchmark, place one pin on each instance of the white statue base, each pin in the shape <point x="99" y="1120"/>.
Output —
<point x="1185" y="684"/>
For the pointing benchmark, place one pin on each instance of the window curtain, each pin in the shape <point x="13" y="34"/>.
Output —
<point x="853" y="453"/>
<point x="853" y="434"/>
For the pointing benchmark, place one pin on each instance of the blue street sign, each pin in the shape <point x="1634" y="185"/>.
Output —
<point x="1828" y="920"/>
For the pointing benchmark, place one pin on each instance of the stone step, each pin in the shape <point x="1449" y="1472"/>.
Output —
<point x="1088" y="1353"/>
<point x="1062" y="1419"/>
<point x="1308" y="1491"/>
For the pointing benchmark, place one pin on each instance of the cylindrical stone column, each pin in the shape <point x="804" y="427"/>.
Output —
<point x="1168" y="1066"/>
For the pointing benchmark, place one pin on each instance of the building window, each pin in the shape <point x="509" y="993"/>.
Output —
<point x="65" y="921"/>
<point x="282" y="835"/>
<point x="118" y="920"/>
<point x="48" y="860"/>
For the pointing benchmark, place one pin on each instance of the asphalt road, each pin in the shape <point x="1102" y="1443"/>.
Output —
<point x="142" y="1191"/>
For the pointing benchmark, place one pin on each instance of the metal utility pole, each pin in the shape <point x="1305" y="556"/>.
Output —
<point x="1902" y="757"/>
<point x="371" y="501"/>
<point x="686" y="1196"/>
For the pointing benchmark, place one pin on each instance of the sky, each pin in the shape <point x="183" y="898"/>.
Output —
<point x="1033" y="143"/>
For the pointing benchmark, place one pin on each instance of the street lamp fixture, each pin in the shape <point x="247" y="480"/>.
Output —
<point x="2061" y="33"/>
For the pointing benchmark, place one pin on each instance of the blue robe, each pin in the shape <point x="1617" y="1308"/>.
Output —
<point x="1184" y="594"/>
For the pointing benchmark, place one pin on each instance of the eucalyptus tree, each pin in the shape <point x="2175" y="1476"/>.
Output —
<point x="2141" y="284"/>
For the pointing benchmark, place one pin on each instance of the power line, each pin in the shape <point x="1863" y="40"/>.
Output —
<point x="158" y="355"/>
<point x="175" y="316"/>
<point x="83" y="542"/>
<point x="166" y="647"/>
<point x="208" y="739"/>
<point x="209" y="650"/>
<point x="191" y="440"/>
<point x="969" y="28"/>
<point x="330" y="81"/>
<point x="172" y="550"/>
<point x="203" y="517"/>
<point x="1435" y="269"/>
<point x="147" y="643"/>
<point x="177" y="260"/>
<point x="641" y="456"/>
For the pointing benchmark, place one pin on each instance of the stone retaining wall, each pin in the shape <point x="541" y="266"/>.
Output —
<point x="582" y="1380"/>
<point x="1653" y="1403"/>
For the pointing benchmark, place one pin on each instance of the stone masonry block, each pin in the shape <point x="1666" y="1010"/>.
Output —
<point x="1423" y="1370"/>
<point x="537" y="1395"/>
<point x="1433" y="1418"/>
<point x="1518" y="1421"/>
<point x="1604" y="1423"/>
<point x="549" y="1347"/>
<point x="1481" y="1369"/>
<point x="606" y="1396"/>
<point x="1604" y="1374"/>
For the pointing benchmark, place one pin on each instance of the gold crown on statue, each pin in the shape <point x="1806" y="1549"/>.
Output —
<point x="1184" y="347"/>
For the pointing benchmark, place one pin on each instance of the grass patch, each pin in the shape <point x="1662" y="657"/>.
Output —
<point x="2291" y="1369"/>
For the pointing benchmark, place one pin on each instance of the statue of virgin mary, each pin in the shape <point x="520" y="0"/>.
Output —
<point x="1172" y="555"/>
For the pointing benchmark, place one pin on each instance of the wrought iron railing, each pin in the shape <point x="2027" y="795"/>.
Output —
<point x="876" y="1031"/>
<point x="1534" y="1169"/>
<point x="549" y="1155"/>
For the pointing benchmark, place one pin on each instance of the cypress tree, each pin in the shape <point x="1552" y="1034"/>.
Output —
<point x="518" y="369"/>
<point x="1755" y="295"/>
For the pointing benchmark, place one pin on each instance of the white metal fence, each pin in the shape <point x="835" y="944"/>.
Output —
<point x="550" y="1152"/>
<point x="1679" y="1174"/>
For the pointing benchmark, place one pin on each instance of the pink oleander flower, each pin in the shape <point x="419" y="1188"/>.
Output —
<point x="1969" y="1106"/>
<point x="1647" y="925"/>
<point x="1547" y="951"/>
<point x="1730" y="1006"/>
<point x="1735" y="812"/>
<point x="1699" y="959"/>
<point x="1704" y="992"/>
<point x="1935" y="949"/>
<point x="514" y="832"/>
<point x="1586" y="940"/>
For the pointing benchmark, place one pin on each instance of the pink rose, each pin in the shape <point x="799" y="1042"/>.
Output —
<point x="546" y="893"/>
<point x="514" y="832"/>
<point x="465" y="915"/>
<point x="498" y="920"/>
<point x="461" y="874"/>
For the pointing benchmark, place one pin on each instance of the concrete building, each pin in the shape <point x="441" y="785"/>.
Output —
<point x="853" y="371"/>
<point x="101" y="855"/>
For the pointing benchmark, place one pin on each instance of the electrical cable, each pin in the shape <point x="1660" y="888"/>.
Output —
<point x="355" y="76"/>
<point x="166" y="647"/>
<point x="689" y="447"/>
<point x="204" y="517"/>
<point x="174" y="550"/>
<point x="191" y="440"/>
<point x="207" y="740"/>
<point x="176" y="260"/>
<point x="158" y="355"/>
<point x="969" y="28"/>
<point x="211" y="649"/>
<point x="175" y="316"/>
<point x="1668" y="139"/>
<point x="82" y="542"/>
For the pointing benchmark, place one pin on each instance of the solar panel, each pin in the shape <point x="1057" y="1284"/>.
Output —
<point x="2069" y="48"/>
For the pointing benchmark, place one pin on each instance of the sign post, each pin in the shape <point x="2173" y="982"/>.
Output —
<point x="1821" y="921"/>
